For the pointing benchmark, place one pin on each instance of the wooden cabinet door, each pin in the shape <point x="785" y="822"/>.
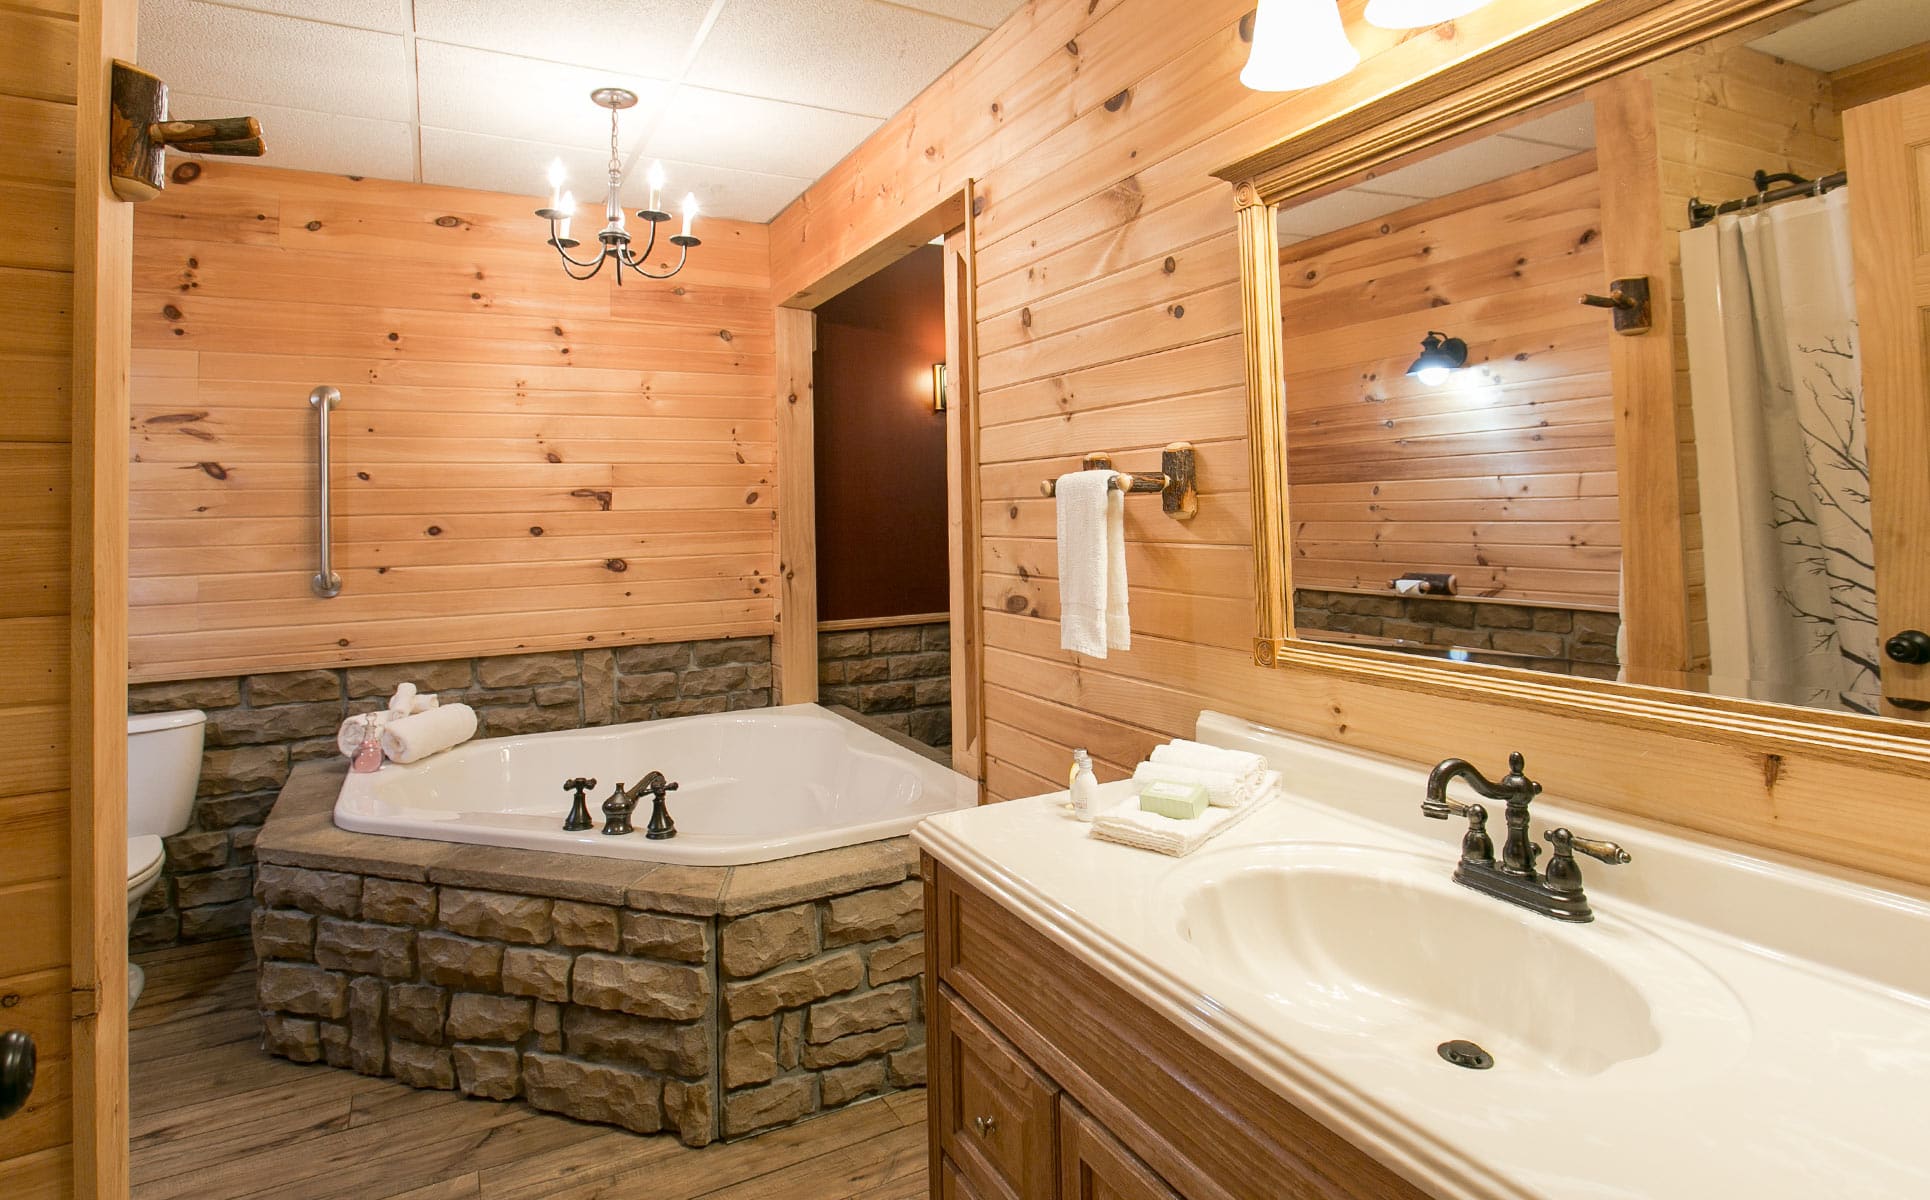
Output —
<point x="1094" y="1166"/>
<point x="995" y="1111"/>
<point x="1888" y="143"/>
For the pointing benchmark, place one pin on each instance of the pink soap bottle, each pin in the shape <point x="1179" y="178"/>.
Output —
<point x="368" y="755"/>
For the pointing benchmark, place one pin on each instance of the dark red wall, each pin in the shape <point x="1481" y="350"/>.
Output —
<point x="880" y="447"/>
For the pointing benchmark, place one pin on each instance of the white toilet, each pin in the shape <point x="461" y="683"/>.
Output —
<point x="163" y="771"/>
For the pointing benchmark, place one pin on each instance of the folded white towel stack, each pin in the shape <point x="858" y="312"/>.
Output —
<point x="1093" y="617"/>
<point x="1224" y="789"/>
<point x="1129" y="826"/>
<point x="406" y="702"/>
<point x="1243" y="764"/>
<point x="412" y="738"/>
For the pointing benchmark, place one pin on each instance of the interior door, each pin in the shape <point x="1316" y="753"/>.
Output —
<point x="64" y="294"/>
<point x="1888" y="144"/>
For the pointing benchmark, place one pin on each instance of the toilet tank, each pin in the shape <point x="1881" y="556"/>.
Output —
<point x="163" y="770"/>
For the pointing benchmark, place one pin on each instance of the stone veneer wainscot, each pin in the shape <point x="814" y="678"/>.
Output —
<point x="262" y="726"/>
<point x="704" y="1001"/>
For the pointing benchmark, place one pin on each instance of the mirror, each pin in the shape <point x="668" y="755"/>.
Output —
<point x="1674" y="482"/>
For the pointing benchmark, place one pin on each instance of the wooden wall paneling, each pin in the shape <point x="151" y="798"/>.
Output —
<point x="522" y="461"/>
<point x="797" y="605"/>
<point x="1901" y="71"/>
<point x="1499" y="265"/>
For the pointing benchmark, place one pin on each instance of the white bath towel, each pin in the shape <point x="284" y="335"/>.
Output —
<point x="1242" y="764"/>
<point x="1092" y="565"/>
<point x="1130" y="826"/>
<point x="407" y="701"/>
<point x="412" y="738"/>
<point x="1223" y="788"/>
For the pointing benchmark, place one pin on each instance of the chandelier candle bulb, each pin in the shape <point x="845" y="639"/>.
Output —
<point x="556" y="183"/>
<point x="567" y="206"/>
<point x="690" y="211"/>
<point x="656" y="187"/>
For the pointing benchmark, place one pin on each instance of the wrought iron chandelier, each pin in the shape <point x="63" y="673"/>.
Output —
<point x="613" y="237"/>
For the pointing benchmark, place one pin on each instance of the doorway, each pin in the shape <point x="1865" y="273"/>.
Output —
<point x="877" y="478"/>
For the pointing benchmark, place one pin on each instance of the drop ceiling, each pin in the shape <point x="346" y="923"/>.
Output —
<point x="745" y="101"/>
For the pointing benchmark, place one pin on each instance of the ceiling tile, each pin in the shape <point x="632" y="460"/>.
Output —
<point x="1339" y="210"/>
<point x="1468" y="166"/>
<point x="616" y="35"/>
<point x="1850" y="34"/>
<point x="458" y="158"/>
<point x="388" y="16"/>
<point x="856" y="56"/>
<point x="750" y="134"/>
<point x="259" y="58"/>
<point x="300" y="140"/>
<point x="502" y="95"/>
<point x="984" y="13"/>
<point x="1573" y="127"/>
<point x="721" y="191"/>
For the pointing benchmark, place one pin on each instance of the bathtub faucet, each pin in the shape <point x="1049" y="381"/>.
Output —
<point x="661" y="826"/>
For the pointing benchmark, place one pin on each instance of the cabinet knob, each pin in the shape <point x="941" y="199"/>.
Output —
<point x="1912" y="646"/>
<point x="16" y="1071"/>
<point x="986" y="1126"/>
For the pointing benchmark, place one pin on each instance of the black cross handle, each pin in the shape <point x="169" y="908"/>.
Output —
<point x="579" y="818"/>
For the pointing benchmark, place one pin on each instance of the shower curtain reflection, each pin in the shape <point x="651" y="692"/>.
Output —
<point x="1781" y="454"/>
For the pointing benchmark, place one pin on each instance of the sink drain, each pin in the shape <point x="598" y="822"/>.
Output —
<point x="1465" y="1054"/>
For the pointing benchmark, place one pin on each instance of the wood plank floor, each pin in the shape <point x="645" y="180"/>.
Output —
<point x="214" y="1118"/>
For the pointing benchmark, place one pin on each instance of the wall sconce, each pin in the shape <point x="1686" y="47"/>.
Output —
<point x="1441" y="355"/>
<point x="1418" y="14"/>
<point x="938" y="382"/>
<point x="1297" y="44"/>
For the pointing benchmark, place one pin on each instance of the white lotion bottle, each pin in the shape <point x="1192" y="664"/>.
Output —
<point x="1084" y="786"/>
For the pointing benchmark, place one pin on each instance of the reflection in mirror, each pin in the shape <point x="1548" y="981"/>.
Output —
<point x="1452" y="410"/>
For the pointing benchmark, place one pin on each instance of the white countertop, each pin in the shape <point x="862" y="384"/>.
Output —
<point x="1798" y="1066"/>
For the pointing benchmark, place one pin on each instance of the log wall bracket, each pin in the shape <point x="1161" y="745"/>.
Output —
<point x="1629" y="298"/>
<point x="141" y="134"/>
<point x="1177" y="482"/>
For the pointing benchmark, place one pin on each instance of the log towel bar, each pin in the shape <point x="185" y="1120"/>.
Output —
<point x="1176" y="483"/>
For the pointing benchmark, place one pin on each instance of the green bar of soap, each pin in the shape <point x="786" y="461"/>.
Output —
<point x="1180" y="801"/>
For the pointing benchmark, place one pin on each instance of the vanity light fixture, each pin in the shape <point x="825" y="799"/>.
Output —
<point x="1441" y="355"/>
<point x="1297" y="44"/>
<point x="938" y="381"/>
<point x="613" y="237"/>
<point x="1418" y="14"/>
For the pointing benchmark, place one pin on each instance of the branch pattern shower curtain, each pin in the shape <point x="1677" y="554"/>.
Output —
<point x="1781" y="455"/>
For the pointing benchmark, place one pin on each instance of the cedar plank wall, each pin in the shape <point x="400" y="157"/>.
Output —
<point x="1723" y="111"/>
<point x="1504" y="476"/>
<point x="521" y="461"/>
<point x="1110" y="319"/>
<point x="37" y="77"/>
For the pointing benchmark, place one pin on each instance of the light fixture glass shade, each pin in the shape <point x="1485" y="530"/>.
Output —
<point x="1418" y="14"/>
<point x="1297" y="44"/>
<point x="1441" y="356"/>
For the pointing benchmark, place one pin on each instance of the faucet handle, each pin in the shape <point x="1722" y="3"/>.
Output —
<point x="1566" y="843"/>
<point x="1448" y="806"/>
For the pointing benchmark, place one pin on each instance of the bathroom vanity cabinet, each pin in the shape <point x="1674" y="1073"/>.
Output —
<point x="1049" y="1081"/>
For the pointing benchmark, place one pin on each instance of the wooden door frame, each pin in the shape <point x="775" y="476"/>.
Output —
<point x="97" y="784"/>
<point x="796" y="651"/>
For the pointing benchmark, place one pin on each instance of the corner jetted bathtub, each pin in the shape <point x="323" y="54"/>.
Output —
<point x="752" y="787"/>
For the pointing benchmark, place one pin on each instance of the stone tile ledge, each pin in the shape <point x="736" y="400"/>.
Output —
<point x="300" y="831"/>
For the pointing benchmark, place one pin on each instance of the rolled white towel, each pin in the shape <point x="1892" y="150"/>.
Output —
<point x="412" y="738"/>
<point x="1223" y="789"/>
<point x="349" y="737"/>
<point x="407" y="701"/>
<point x="1242" y="764"/>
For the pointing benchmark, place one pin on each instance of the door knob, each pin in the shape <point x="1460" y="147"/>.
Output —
<point x="16" y="1071"/>
<point x="1911" y="646"/>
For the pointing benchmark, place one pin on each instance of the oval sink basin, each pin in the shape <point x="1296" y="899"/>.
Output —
<point x="1360" y="940"/>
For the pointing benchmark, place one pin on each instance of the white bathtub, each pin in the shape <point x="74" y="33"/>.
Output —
<point x="752" y="786"/>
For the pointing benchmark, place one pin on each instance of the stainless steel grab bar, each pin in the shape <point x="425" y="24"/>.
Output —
<point x="326" y="583"/>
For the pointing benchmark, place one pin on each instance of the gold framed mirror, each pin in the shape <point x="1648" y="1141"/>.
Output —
<point x="1601" y="548"/>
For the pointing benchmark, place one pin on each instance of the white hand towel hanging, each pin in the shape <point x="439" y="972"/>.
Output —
<point x="1092" y="565"/>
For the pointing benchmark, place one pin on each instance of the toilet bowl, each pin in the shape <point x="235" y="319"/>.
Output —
<point x="163" y="771"/>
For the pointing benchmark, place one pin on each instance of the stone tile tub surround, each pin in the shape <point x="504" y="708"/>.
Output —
<point x="899" y="677"/>
<point x="701" y="1001"/>
<point x="260" y="726"/>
